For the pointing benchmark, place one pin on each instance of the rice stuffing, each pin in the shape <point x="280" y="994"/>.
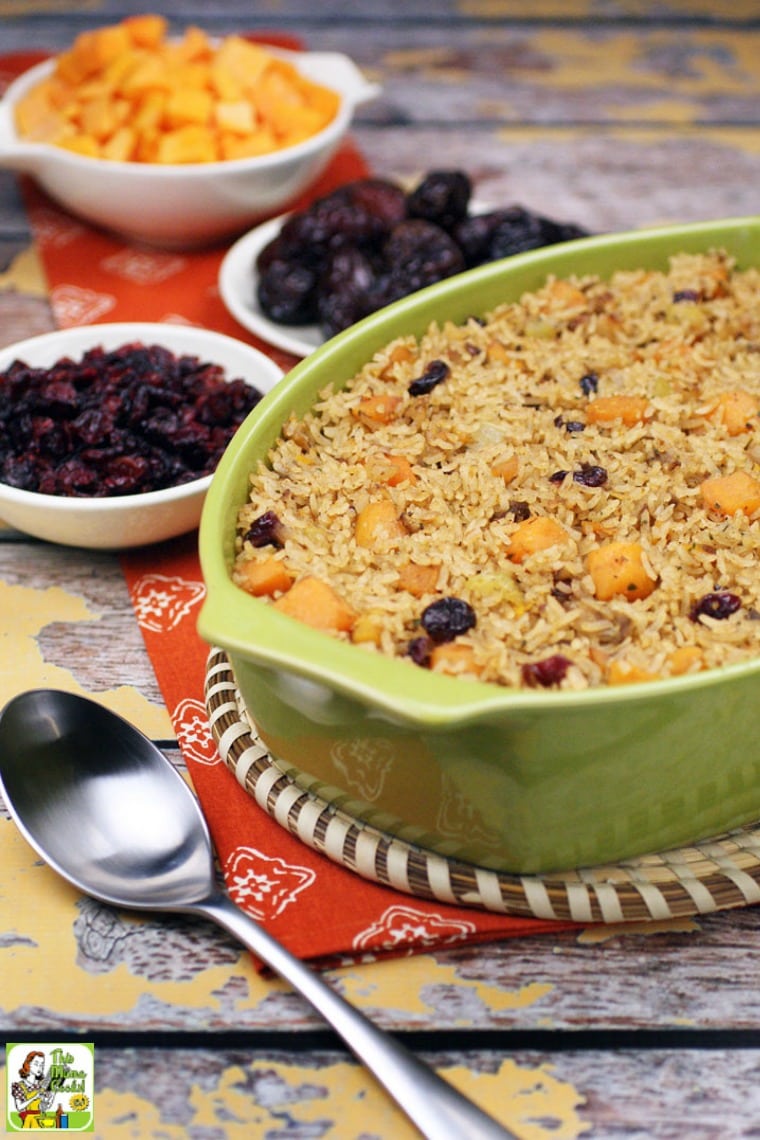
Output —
<point x="564" y="494"/>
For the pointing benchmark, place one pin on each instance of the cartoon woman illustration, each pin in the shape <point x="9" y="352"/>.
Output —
<point x="30" y="1093"/>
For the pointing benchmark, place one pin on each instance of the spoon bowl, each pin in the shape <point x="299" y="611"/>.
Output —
<point x="105" y="809"/>
<point x="102" y="804"/>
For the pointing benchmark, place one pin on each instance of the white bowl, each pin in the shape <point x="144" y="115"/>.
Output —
<point x="129" y="520"/>
<point x="191" y="204"/>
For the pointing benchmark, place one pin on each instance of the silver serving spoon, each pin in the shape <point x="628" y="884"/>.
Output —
<point x="106" y="809"/>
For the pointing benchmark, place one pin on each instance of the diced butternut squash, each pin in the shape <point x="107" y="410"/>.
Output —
<point x="235" y="116"/>
<point x="506" y="468"/>
<point x="374" y="410"/>
<point x="367" y="630"/>
<point x="378" y="525"/>
<point x="534" y="534"/>
<point x="249" y="100"/>
<point x="399" y="354"/>
<point x="146" y="30"/>
<point x="563" y="294"/>
<point x="621" y="673"/>
<point x="618" y="570"/>
<point x="190" y="105"/>
<point x="266" y="578"/>
<point x="496" y="352"/>
<point x="455" y="659"/>
<point x="189" y="144"/>
<point x="685" y="659"/>
<point x="417" y="579"/>
<point x="728" y="494"/>
<point x="317" y="604"/>
<point x="629" y="409"/>
<point x="737" y="410"/>
<point x="391" y="469"/>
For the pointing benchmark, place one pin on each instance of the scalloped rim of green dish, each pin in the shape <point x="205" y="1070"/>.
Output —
<point x="249" y="629"/>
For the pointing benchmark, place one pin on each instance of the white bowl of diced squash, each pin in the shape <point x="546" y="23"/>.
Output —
<point x="214" y="164"/>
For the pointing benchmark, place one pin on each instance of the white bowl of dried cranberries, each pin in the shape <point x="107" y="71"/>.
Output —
<point x="109" y="434"/>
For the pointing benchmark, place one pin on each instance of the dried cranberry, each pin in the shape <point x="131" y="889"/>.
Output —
<point x="446" y="618"/>
<point x="544" y="674"/>
<point x="131" y="419"/>
<point x="719" y="605"/>
<point x="589" y="475"/>
<point x="569" y="425"/>
<point x="266" y="530"/>
<point x="434" y="374"/>
<point x="687" y="295"/>
<point x="589" y="383"/>
<point x="419" y="649"/>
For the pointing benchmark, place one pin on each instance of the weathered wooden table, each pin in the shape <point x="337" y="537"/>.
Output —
<point x="611" y="115"/>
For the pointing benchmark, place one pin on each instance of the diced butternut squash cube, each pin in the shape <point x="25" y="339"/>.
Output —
<point x="621" y="673"/>
<point x="100" y="117"/>
<point x="236" y="117"/>
<point x="146" y="30"/>
<point x="506" y="468"/>
<point x="563" y="294"/>
<point x="266" y="578"/>
<point x="728" y="494"/>
<point x="367" y="630"/>
<point x="120" y="147"/>
<point x="317" y="604"/>
<point x="399" y="354"/>
<point x="629" y="409"/>
<point x="417" y="579"/>
<point x="534" y="534"/>
<point x="454" y="659"/>
<point x="373" y="410"/>
<point x="391" y="469"/>
<point x="187" y="106"/>
<point x="737" y="410"/>
<point x="260" y="141"/>
<point x="685" y="659"/>
<point x="80" y="144"/>
<point x="618" y="570"/>
<point x="378" y="525"/>
<point x="192" y="143"/>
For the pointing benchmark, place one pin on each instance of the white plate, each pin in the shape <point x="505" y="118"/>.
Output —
<point x="238" y="281"/>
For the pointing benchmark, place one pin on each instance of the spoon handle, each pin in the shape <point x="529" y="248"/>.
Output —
<point x="431" y="1103"/>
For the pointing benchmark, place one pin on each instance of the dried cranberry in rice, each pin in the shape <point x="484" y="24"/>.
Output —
<point x="447" y="618"/>
<point x="419" y="650"/>
<point x="546" y="673"/>
<point x="435" y="373"/>
<point x="590" y="475"/>
<point x="719" y="605"/>
<point x="266" y="530"/>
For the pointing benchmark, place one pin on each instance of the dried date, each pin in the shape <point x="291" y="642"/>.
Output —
<point x="369" y="243"/>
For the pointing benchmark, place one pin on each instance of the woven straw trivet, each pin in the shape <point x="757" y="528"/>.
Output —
<point x="716" y="874"/>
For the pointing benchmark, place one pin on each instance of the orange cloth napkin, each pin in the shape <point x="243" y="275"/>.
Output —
<point x="317" y="908"/>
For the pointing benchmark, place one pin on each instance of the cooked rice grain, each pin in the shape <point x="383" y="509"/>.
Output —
<point x="522" y="389"/>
